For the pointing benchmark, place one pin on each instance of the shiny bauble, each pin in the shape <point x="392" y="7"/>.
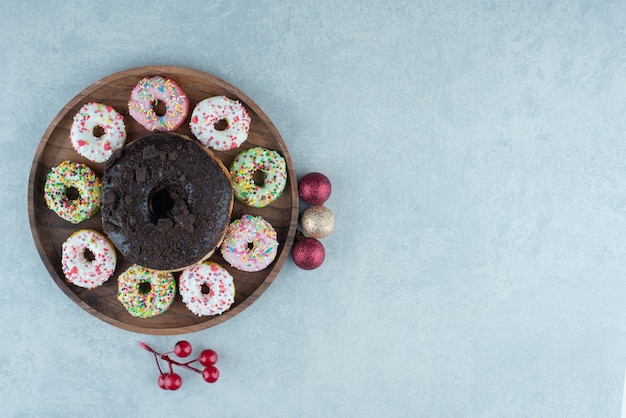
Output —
<point x="308" y="253"/>
<point x="318" y="221"/>
<point x="314" y="188"/>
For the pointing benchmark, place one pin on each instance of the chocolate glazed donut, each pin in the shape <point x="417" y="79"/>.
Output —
<point x="166" y="201"/>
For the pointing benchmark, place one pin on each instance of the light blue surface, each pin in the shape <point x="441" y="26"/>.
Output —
<point x="477" y="156"/>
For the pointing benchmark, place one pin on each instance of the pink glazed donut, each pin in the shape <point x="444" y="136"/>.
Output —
<point x="145" y="96"/>
<point x="250" y="243"/>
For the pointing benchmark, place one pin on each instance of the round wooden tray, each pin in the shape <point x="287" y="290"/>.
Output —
<point x="50" y="231"/>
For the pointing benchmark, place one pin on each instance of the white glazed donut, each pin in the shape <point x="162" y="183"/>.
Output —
<point x="78" y="268"/>
<point x="219" y="282"/>
<point x="254" y="231"/>
<point x="97" y="149"/>
<point x="214" y="109"/>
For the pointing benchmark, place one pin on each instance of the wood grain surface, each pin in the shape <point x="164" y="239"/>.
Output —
<point x="50" y="231"/>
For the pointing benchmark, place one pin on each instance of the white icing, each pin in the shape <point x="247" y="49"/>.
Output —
<point x="221" y="289"/>
<point x="81" y="271"/>
<point x="94" y="148"/>
<point x="214" y="109"/>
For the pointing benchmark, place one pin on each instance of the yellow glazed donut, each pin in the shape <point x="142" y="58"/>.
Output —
<point x="274" y="169"/>
<point x="145" y="292"/>
<point x="72" y="175"/>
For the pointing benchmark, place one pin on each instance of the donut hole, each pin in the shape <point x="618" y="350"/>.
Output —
<point x="204" y="289"/>
<point x="89" y="256"/>
<point x="72" y="193"/>
<point x="161" y="202"/>
<point x="221" y="125"/>
<point x="258" y="177"/>
<point x="250" y="246"/>
<point x="98" y="131"/>
<point x="159" y="107"/>
<point x="144" y="288"/>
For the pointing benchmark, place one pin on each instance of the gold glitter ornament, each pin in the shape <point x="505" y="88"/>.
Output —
<point x="318" y="221"/>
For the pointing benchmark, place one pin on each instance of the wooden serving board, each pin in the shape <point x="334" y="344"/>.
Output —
<point x="50" y="231"/>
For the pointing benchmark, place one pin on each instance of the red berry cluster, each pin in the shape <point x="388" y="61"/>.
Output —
<point x="172" y="381"/>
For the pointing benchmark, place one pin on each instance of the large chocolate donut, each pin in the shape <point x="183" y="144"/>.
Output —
<point x="166" y="201"/>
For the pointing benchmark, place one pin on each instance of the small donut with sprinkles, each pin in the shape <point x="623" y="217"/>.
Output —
<point x="91" y="118"/>
<point x="273" y="168"/>
<point x="89" y="258"/>
<point x="219" y="283"/>
<point x="205" y="119"/>
<point x="77" y="177"/>
<point x="145" y="292"/>
<point x="145" y="97"/>
<point x="250" y="243"/>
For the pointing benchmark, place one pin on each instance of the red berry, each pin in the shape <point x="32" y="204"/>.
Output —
<point x="173" y="381"/>
<point x="210" y="374"/>
<point x="162" y="381"/>
<point x="208" y="358"/>
<point x="182" y="349"/>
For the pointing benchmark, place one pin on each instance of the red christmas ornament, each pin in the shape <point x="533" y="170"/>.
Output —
<point x="314" y="188"/>
<point x="308" y="253"/>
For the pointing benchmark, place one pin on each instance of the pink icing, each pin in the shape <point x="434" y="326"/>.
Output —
<point x="250" y="230"/>
<point x="147" y="93"/>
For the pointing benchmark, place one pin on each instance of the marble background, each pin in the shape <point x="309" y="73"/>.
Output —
<point x="476" y="150"/>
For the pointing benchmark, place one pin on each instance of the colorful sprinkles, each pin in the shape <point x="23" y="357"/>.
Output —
<point x="143" y="302"/>
<point x="150" y="91"/>
<point x="79" y="269"/>
<point x="221" y="289"/>
<point x="252" y="230"/>
<point x="213" y="110"/>
<point x="72" y="175"/>
<point x="243" y="170"/>
<point x="97" y="149"/>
